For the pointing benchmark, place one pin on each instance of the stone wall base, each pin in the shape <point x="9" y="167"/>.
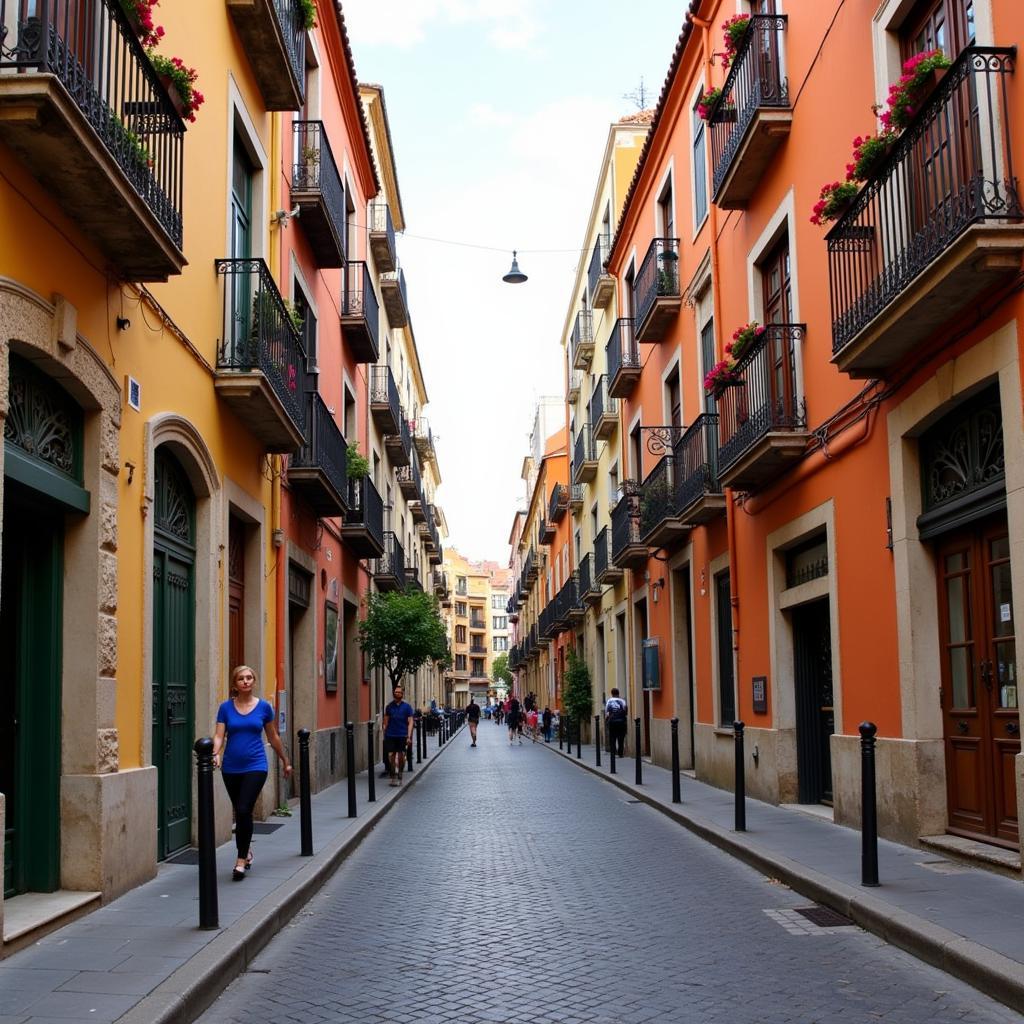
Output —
<point x="771" y="777"/>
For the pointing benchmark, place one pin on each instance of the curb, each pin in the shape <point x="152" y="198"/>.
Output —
<point x="982" y="968"/>
<point x="194" y="986"/>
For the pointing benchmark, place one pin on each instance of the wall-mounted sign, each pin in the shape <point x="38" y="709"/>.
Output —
<point x="760" y="694"/>
<point x="652" y="664"/>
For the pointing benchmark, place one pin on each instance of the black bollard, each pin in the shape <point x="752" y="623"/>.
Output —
<point x="305" y="803"/>
<point x="350" y="765"/>
<point x="579" y="738"/>
<point x="371" y="760"/>
<point x="208" y="915"/>
<point x="676" y="796"/>
<point x="869" y="808"/>
<point x="639" y="776"/>
<point x="561" y="732"/>
<point x="740" y="783"/>
<point x="440" y="735"/>
<point x="611" y="764"/>
<point x="409" y="756"/>
<point x="419" y="740"/>
<point x="597" y="740"/>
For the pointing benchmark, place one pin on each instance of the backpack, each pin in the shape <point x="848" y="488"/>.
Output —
<point x="616" y="710"/>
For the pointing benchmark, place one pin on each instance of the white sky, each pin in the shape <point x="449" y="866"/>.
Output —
<point x="499" y="114"/>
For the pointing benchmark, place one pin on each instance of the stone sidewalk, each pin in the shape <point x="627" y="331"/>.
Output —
<point x="142" y="958"/>
<point x="966" y="921"/>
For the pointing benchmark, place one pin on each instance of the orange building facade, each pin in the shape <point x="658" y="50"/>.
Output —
<point x="826" y="533"/>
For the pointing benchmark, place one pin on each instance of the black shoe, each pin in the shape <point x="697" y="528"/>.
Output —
<point x="237" y="874"/>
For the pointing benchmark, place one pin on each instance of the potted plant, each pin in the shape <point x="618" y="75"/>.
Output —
<point x="709" y="105"/>
<point x="733" y="31"/>
<point x="833" y="200"/>
<point x="180" y="82"/>
<point x="920" y="74"/>
<point x="742" y="340"/>
<point x="140" y="16"/>
<point x="721" y="376"/>
<point x="868" y="152"/>
<point x="357" y="468"/>
<point x="307" y="9"/>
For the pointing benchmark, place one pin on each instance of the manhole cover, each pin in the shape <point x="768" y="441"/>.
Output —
<point x="824" y="917"/>
<point x="189" y="856"/>
<point x="264" y="828"/>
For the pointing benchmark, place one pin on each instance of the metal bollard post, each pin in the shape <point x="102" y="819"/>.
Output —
<point x="611" y="765"/>
<point x="305" y="803"/>
<point x="869" y="808"/>
<point x="597" y="740"/>
<point x="420" y="745"/>
<point x="409" y="755"/>
<point x="561" y="732"/>
<point x="371" y="761"/>
<point x="740" y="783"/>
<point x="207" y="844"/>
<point x="350" y="765"/>
<point x="440" y="735"/>
<point x="676" y="796"/>
<point x="579" y="737"/>
<point x="639" y="777"/>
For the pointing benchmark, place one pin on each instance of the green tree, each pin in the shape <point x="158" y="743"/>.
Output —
<point x="577" y="700"/>
<point x="500" y="672"/>
<point x="401" y="632"/>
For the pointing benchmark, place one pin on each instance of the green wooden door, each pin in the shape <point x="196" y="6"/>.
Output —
<point x="30" y="669"/>
<point x="174" y="618"/>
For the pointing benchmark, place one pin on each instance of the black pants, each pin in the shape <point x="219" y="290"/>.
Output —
<point x="243" y="788"/>
<point x="617" y="736"/>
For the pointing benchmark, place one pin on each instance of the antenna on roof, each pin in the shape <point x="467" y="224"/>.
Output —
<point x="638" y="96"/>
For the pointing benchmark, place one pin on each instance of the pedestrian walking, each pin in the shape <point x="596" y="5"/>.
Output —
<point x="513" y="716"/>
<point x="616" y="714"/>
<point x="241" y="722"/>
<point x="531" y="721"/>
<point x="546" y="721"/>
<point x="473" y="718"/>
<point x="399" y="721"/>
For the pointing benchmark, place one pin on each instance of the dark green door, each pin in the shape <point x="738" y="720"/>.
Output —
<point x="30" y="669"/>
<point x="174" y="619"/>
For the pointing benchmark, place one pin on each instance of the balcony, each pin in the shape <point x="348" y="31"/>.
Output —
<point x="424" y="439"/>
<point x="273" y="33"/>
<point x="558" y="503"/>
<point x="477" y="624"/>
<point x="439" y="582"/>
<point x="581" y="343"/>
<point x="385" y="405"/>
<point x="399" y="444"/>
<point x="412" y="578"/>
<point x="585" y="456"/>
<point x="628" y="550"/>
<point x="575" y="380"/>
<point x="317" y="469"/>
<point x="656" y="294"/>
<point x="360" y="314"/>
<point x="392" y="292"/>
<point x="600" y="283"/>
<point x="545" y="531"/>
<point x="546" y="631"/>
<point x="261" y="365"/>
<point x="936" y="226"/>
<point x="362" y="531"/>
<point x="532" y="643"/>
<point x="477" y="648"/>
<point x="763" y="418"/>
<point x="605" y="570"/>
<point x="108" y="147"/>
<point x="318" y="193"/>
<point x="753" y="116"/>
<point x="576" y="497"/>
<point x="382" y="237"/>
<point x="623" y="357"/>
<point x="417" y="507"/>
<point x="408" y="478"/>
<point x="660" y="524"/>
<point x="588" y="588"/>
<point x="576" y="610"/>
<point x="699" y="497"/>
<point x="389" y="566"/>
<point x="604" y="410"/>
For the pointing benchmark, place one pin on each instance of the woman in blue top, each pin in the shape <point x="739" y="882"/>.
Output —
<point x="242" y="721"/>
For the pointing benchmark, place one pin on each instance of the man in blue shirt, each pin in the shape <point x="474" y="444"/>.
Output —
<point x="399" y="722"/>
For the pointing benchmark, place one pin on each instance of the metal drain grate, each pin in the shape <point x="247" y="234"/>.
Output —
<point x="264" y="828"/>
<point x="189" y="856"/>
<point x="824" y="917"/>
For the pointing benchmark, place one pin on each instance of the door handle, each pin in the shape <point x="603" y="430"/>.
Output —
<point x="962" y="726"/>
<point x="1012" y="728"/>
<point x="986" y="674"/>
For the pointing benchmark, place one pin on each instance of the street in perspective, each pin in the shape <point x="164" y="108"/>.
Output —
<point x="511" y="513"/>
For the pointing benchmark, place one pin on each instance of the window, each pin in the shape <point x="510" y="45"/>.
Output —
<point x="947" y="25"/>
<point x="674" y="399"/>
<point x="579" y="552"/>
<point x="500" y="644"/>
<point x="460" y="634"/>
<point x="666" y="217"/>
<point x="302" y="312"/>
<point x="498" y="601"/>
<point x="807" y="561"/>
<point x="499" y="622"/>
<point x="349" y="423"/>
<point x="460" y="609"/>
<point x="613" y="485"/>
<point x="593" y="521"/>
<point x="637" y="453"/>
<point x="460" y="584"/>
<point x="478" y="667"/>
<point x="460" y="663"/>
<point x="723" y="623"/>
<point x="700" y="171"/>
<point x="707" y="360"/>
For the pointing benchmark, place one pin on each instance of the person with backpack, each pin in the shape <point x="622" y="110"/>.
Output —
<point x="513" y="716"/>
<point x="546" y="720"/>
<point x="616" y="714"/>
<point x="473" y="718"/>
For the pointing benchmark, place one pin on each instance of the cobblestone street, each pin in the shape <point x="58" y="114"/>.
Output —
<point x="491" y="893"/>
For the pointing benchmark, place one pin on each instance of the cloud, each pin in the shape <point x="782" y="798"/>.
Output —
<point x="404" y="23"/>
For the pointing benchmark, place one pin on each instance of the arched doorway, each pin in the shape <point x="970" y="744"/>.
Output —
<point x="174" y="621"/>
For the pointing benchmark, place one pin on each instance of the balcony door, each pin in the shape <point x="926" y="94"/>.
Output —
<point x="777" y="298"/>
<point x="241" y="243"/>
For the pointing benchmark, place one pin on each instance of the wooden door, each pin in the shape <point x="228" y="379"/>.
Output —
<point x="174" y="617"/>
<point x="30" y="705"/>
<point x="723" y="630"/>
<point x="236" y="592"/>
<point x="815" y="714"/>
<point x="979" y="685"/>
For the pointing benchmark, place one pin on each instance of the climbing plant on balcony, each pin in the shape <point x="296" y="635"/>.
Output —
<point x="308" y="10"/>
<point x="182" y="79"/>
<point x="140" y="14"/>
<point x="733" y="31"/>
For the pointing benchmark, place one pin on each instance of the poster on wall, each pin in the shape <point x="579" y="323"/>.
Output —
<point x="652" y="664"/>
<point x="330" y="648"/>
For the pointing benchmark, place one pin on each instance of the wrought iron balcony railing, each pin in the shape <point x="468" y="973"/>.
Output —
<point x="599" y="281"/>
<point x="604" y="410"/>
<point x="584" y="455"/>
<point x="605" y="569"/>
<point x="696" y="468"/>
<point x="385" y="404"/>
<point x="389" y="568"/>
<point x="396" y="301"/>
<point x="576" y="497"/>
<point x="764" y="401"/>
<point x="575" y="381"/>
<point x="623" y="356"/>
<point x="755" y="82"/>
<point x="93" y="51"/>
<point x="558" y="503"/>
<point x="588" y="587"/>
<point x="260" y="337"/>
<point x="545" y="531"/>
<point x="318" y="192"/>
<point x="582" y="340"/>
<point x="318" y="467"/>
<point x="363" y="527"/>
<point x="656" y="294"/>
<point x="382" y="235"/>
<point x="628" y="550"/>
<point x="273" y="33"/>
<point x="360" y="312"/>
<point x="949" y="175"/>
